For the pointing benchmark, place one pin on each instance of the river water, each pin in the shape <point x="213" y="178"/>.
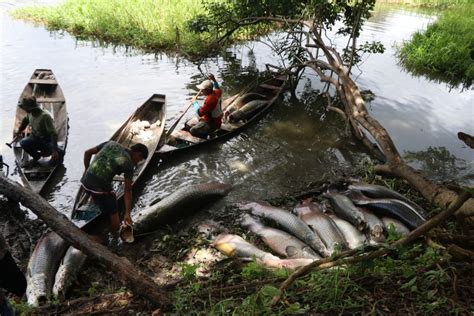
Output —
<point x="295" y="144"/>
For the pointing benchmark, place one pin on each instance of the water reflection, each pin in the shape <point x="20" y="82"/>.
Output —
<point x="294" y="144"/>
<point x="439" y="164"/>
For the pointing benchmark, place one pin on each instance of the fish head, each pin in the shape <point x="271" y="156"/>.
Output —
<point x="60" y="282"/>
<point x="356" y="195"/>
<point x="291" y="251"/>
<point x="224" y="243"/>
<point x="377" y="233"/>
<point x="362" y="225"/>
<point x="250" y="221"/>
<point x="37" y="290"/>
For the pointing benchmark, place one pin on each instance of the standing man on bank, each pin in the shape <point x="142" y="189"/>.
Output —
<point x="111" y="158"/>
<point x="210" y="113"/>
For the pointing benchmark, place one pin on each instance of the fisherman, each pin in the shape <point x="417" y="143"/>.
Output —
<point x="42" y="141"/>
<point x="11" y="278"/>
<point x="111" y="158"/>
<point x="210" y="113"/>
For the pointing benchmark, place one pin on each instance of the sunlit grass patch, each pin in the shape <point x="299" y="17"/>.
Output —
<point x="147" y="24"/>
<point x="446" y="47"/>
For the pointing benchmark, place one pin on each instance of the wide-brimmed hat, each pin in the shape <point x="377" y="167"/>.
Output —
<point x="28" y="103"/>
<point x="205" y="85"/>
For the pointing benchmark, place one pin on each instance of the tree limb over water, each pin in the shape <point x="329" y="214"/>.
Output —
<point x="307" y="45"/>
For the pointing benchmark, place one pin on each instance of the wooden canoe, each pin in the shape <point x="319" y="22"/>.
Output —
<point x="182" y="139"/>
<point x="146" y="126"/>
<point x="48" y="93"/>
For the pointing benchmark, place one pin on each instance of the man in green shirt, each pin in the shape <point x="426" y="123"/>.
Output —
<point x="111" y="158"/>
<point x="42" y="141"/>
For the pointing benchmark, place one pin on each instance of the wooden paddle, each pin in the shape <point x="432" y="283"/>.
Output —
<point x="179" y="119"/>
<point x="15" y="139"/>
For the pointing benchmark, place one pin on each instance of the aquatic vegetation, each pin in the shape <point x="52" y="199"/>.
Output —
<point x="147" y="24"/>
<point x="425" y="3"/>
<point x="445" y="48"/>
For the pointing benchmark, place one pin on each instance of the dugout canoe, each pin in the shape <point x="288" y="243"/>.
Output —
<point x="146" y="126"/>
<point x="269" y="90"/>
<point x="49" y="95"/>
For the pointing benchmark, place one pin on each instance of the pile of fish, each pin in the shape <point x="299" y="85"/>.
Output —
<point x="53" y="266"/>
<point x="361" y="215"/>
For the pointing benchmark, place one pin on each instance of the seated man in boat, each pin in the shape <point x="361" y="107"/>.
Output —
<point x="42" y="141"/>
<point x="210" y="113"/>
<point x="111" y="158"/>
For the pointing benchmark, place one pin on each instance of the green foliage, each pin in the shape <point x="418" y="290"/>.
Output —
<point x="445" y="48"/>
<point x="21" y="308"/>
<point x="427" y="3"/>
<point x="146" y="24"/>
<point x="188" y="271"/>
<point x="93" y="289"/>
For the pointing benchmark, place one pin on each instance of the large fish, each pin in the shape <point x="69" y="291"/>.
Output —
<point x="247" y="110"/>
<point x="376" y="226"/>
<point x="345" y="209"/>
<point x="322" y="224"/>
<point x="42" y="267"/>
<point x="290" y="264"/>
<point x="182" y="201"/>
<point x="70" y="266"/>
<point x="242" y="100"/>
<point x="392" y="208"/>
<point x="397" y="225"/>
<point x="236" y="246"/>
<point x="381" y="192"/>
<point x="279" y="241"/>
<point x="353" y="237"/>
<point x="288" y="222"/>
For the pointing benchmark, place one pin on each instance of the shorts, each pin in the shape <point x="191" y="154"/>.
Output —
<point x="106" y="202"/>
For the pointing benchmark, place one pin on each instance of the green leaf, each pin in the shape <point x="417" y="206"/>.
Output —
<point x="269" y="291"/>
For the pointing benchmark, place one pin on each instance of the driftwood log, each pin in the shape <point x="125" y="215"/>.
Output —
<point x="138" y="282"/>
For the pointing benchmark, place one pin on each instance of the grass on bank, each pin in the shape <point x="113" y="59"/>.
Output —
<point x="446" y="48"/>
<point x="426" y="3"/>
<point x="145" y="24"/>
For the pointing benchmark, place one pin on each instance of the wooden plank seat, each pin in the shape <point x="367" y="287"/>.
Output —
<point x="44" y="81"/>
<point x="50" y="100"/>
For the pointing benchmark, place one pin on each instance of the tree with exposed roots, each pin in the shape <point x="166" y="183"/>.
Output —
<point x="307" y="26"/>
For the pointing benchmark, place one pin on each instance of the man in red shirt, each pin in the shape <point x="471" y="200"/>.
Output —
<point x="210" y="113"/>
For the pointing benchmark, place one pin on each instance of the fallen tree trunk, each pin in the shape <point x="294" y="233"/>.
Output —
<point x="138" y="282"/>
<point x="361" y="120"/>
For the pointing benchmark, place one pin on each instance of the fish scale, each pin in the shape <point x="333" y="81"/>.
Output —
<point x="42" y="267"/>
<point x="353" y="237"/>
<point x="236" y="246"/>
<point x="70" y="266"/>
<point x="184" y="199"/>
<point x="394" y="208"/>
<point x="322" y="224"/>
<point x="279" y="241"/>
<point x="345" y="209"/>
<point x="288" y="222"/>
<point x="380" y="192"/>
